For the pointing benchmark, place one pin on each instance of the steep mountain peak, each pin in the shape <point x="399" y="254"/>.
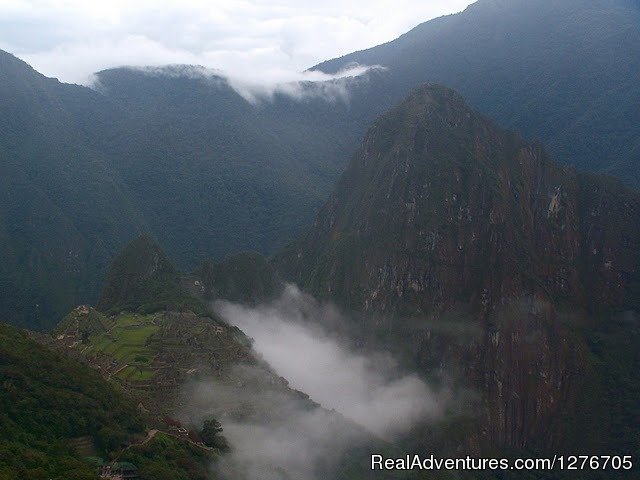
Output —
<point x="438" y="196"/>
<point x="428" y="106"/>
<point x="463" y="245"/>
<point x="424" y="98"/>
<point x="143" y="279"/>
<point x="142" y="259"/>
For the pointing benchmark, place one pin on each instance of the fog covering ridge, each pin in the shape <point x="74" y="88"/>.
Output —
<point x="331" y="87"/>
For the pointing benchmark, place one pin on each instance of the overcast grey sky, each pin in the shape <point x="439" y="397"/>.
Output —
<point x="270" y="41"/>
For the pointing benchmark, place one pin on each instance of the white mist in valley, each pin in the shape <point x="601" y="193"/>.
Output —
<point x="274" y="433"/>
<point x="358" y="402"/>
<point x="366" y="388"/>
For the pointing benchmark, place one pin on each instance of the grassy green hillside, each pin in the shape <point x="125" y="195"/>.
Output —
<point x="126" y="341"/>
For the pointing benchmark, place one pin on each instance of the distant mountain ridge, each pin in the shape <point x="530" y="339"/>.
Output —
<point x="190" y="162"/>
<point x="562" y="72"/>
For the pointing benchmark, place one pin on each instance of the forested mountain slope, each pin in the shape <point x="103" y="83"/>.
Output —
<point x="64" y="210"/>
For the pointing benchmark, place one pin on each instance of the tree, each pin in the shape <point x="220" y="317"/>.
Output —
<point x="210" y="434"/>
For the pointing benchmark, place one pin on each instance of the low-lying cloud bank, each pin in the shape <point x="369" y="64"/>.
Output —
<point x="258" y="87"/>
<point x="366" y="388"/>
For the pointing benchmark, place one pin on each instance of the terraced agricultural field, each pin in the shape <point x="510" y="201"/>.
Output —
<point x="153" y="356"/>
<point x="126" y="340"/>
<point x="132" y="373"/>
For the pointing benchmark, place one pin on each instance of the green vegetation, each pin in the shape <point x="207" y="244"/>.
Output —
<point x="87" y="320"/>
<point x="143" y="280"/>
<point x="64" y="211"/>
<point x="610" y="394"/>
<point x="187" y="160"/>
<point x="57" y="414"/>
<point x="211" y="435"/>
<point x="135" y="374"/>
<point x="165" y="458"/>
<point x="246" y="277"/>
<point x="127" y="340"/>
<point x="207" y="173"/>
<point x="45" y="401"/>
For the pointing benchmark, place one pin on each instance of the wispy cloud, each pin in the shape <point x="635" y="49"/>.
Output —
<point x="366" y="387"/>
<point x="255" y="88"/>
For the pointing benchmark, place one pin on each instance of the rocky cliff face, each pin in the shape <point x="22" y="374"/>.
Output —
<point x="442" y="211"/>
